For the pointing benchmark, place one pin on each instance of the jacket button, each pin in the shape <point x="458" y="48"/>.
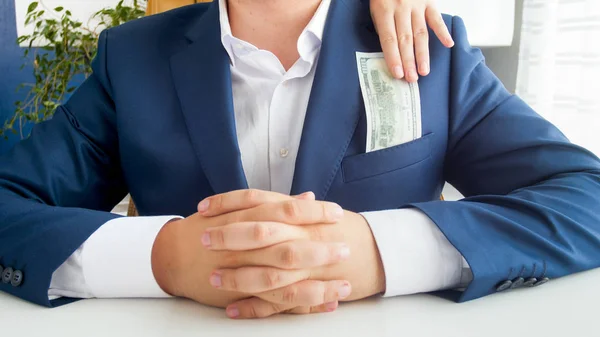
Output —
<point x="7" y="275"/>
<point x="504" y="285"/>
<point x="530" y="282"/>
<point x="17" y="278"/>
<point x="542" y="281"/>
<point x="517" y="283"/>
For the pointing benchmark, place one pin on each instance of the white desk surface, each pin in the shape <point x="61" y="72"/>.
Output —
<point x="565" y="307"/>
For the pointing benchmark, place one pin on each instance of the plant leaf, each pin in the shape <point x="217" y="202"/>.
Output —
<point x="32" y="7"/>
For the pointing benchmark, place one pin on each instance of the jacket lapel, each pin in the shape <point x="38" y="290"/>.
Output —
<point x="336" y="104"/>
<point x="202" y="77"/>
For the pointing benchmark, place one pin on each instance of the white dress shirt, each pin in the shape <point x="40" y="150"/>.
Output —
<point x="270" y="106"/>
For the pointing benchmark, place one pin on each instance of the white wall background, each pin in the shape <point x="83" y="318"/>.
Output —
<point x="504" y="61"/>
<point x="490" y="22"/>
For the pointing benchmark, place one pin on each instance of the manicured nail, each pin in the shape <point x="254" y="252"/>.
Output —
<point x="398" y="72"/>
<point x="203" y="206"/>
<point x="206" y="239"/>
<point x="424" y="68"/>
<point x="344" y="291"/>
<point x="232" y="312"/>
<point x="336" y="212"/>
<point x="331" y="306"/>
<point x="344" y="253"/>
<point x="215" y="280"/>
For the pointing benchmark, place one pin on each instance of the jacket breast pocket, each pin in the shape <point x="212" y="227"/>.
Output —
<point x="383" y="161"/>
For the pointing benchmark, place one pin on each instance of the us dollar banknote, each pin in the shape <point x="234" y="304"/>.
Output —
<point x="393" y="106"/>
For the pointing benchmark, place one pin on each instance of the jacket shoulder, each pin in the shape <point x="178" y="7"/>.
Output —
<point x="170" y="25"/>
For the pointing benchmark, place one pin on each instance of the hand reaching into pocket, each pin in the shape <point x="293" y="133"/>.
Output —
<point x="275" y="240"/>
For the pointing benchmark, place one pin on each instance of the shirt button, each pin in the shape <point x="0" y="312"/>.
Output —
<point x="239" y="46"/>
<point x="283" y="152"/>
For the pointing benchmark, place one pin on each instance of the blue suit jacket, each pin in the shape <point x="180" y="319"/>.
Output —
<point x="156" y="119"/>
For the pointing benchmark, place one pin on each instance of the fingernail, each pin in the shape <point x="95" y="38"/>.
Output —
<point x="206" y="239"/>
<point x="344" y="253"/>
<point x="215" y="280"/>
<point x="398" y="72"/>
<point x="232" y="312"/>
<point x="331" y="306"/>
<point x="424" y="68"/>
<point x="336" y="212"/>
<point x="203" y="206"/>
<point x="344" y="291"/>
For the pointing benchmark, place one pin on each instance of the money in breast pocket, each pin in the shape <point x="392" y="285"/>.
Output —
<point x="393" y="106"/>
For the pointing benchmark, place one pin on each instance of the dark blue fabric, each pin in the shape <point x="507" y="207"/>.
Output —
<point x="156" y="119"/>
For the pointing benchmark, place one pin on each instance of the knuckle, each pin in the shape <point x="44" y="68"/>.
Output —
<point x="218" y="237"/>
<point x="253" y="312"/>
<point x="231" y="281"/>
<point x="251" y="195"/>
<point x="216" y="202"/>
<point x="421" y="32"/>
<point x="272" y="278"/>
<point x="406" y="38"/>
<point x="260" y="232"/>
<point x="291" y="295"/>
<point x="323" y="293"/>
<point x="291" y="210"/>
<point x="289" y="256"/>
<point x="324" y="212"/>
<point x="388" y="38"/>
<point x="274" y="308"/>
<point x="383" y="6"/>
<point x="315" y="233"/>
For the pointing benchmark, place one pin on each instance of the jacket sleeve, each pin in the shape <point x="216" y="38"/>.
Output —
<point x="532" y="206"/>
<point x="58" y="186"/>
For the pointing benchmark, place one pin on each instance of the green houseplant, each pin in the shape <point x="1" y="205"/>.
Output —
<point x="67" y="49"/>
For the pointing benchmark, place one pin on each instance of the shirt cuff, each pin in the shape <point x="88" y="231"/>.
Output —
<point x="115" y="262"/>
<point x="416" y="255"/>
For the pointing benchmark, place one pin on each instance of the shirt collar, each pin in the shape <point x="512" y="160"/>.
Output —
<point x="309" y="42"/>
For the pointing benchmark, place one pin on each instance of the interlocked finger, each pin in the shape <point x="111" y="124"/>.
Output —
<point x="252" y="280"/>
<point x="308" y="293"/>
<point x="255" y="307"/>
<point x="294" y="212"/>
<point x="243" y="199"/>
<point x="251" y="235"/>
<point x="296" y="255"/>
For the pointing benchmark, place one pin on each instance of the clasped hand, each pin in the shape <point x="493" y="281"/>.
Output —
<point x="261" y="253"/>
